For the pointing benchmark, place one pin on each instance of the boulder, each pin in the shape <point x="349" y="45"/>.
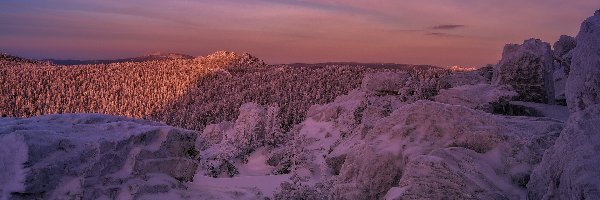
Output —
<point x="583" y="85"/>
<point x="529" y="69"/>
<point x="569" y="169"/>
<point x="563" y="46"/>
<point x="562" y="65"/>
<point x="92" y="156"/>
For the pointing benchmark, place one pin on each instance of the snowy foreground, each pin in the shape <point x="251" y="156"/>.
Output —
<point x="358" y="146"/>
<point x="369" y="144"/>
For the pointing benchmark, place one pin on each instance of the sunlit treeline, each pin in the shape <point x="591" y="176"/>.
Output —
<point x="188" y="93"/>
<point x="128" y="89"/>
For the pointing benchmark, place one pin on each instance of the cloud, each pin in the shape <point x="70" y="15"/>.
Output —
<point x="446" y="35"/>
<point x="448" y="26"/>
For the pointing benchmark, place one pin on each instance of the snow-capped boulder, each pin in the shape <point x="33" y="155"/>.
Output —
<point x="529" y="69"/>
<point x="92" y="156"/>
<point x="569" y="169"/>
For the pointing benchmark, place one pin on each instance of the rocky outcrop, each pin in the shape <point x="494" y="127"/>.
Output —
<point x="529" y="69"/>
<point x="564" y="45"/>
<point x="90" y="156"/>
<point x="569" y="169"/>
<point x="583" y="85"/>
<point x="364" y="146"/>
<point x="562" y="65"/>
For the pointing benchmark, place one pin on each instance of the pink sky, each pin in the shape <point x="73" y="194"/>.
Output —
<point x="438" y="32"/>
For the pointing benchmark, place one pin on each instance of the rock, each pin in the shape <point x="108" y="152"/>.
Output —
<point x="583" y="85"/>
<point x="564" y="45"/>
<point x="569" y="169"/>
<point x="417" y="150"/>
<point x="529" y="69"/>
<point x="92" y="156"/>
<point x="562" y="65"/>
<point x="487" y="72"/>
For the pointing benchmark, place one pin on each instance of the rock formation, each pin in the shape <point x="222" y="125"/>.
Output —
<point x="569" y="169"/>
<point x="90" y="156"/>
<point x="529" y="69"/>
<point x="562" y="65"/>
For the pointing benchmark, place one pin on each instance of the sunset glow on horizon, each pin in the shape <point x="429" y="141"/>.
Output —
<point x="444" y="33"/>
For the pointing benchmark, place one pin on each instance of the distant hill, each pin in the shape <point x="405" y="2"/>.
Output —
<point x="10" y="58"/>
<point x="367" y="65"/>
<point x="144" y="58"/>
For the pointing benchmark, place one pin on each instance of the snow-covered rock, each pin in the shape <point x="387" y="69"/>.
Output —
<point x="583" y="85"/>
<point x="529" y="69"/>
<point x="564" y="45"/>
<point x="569" y="169"/>
<point x="478" y="96"/>
<point x="562" y="65"/>
<point x="91" y="156"/>
<point x="367" y="147"/>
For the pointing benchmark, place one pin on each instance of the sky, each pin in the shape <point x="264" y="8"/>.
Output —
<point x="436" y="32"/>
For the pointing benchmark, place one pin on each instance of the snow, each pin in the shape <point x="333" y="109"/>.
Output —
<point x="14" y="154"/>
<point x="257" y="164"/>
<point x="266" y="185"/>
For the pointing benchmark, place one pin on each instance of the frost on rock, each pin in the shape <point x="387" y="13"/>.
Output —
<point x="529" y="69"/>
<point x="569" y="169"/>
<point x="92" y="156"/>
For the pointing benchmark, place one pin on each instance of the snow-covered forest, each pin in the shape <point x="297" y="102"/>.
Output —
<point x="188" y="93"/>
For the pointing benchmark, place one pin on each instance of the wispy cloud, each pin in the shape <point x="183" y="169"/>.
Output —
<point x="446" y="35"/>
<point x="448" y="27"/>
